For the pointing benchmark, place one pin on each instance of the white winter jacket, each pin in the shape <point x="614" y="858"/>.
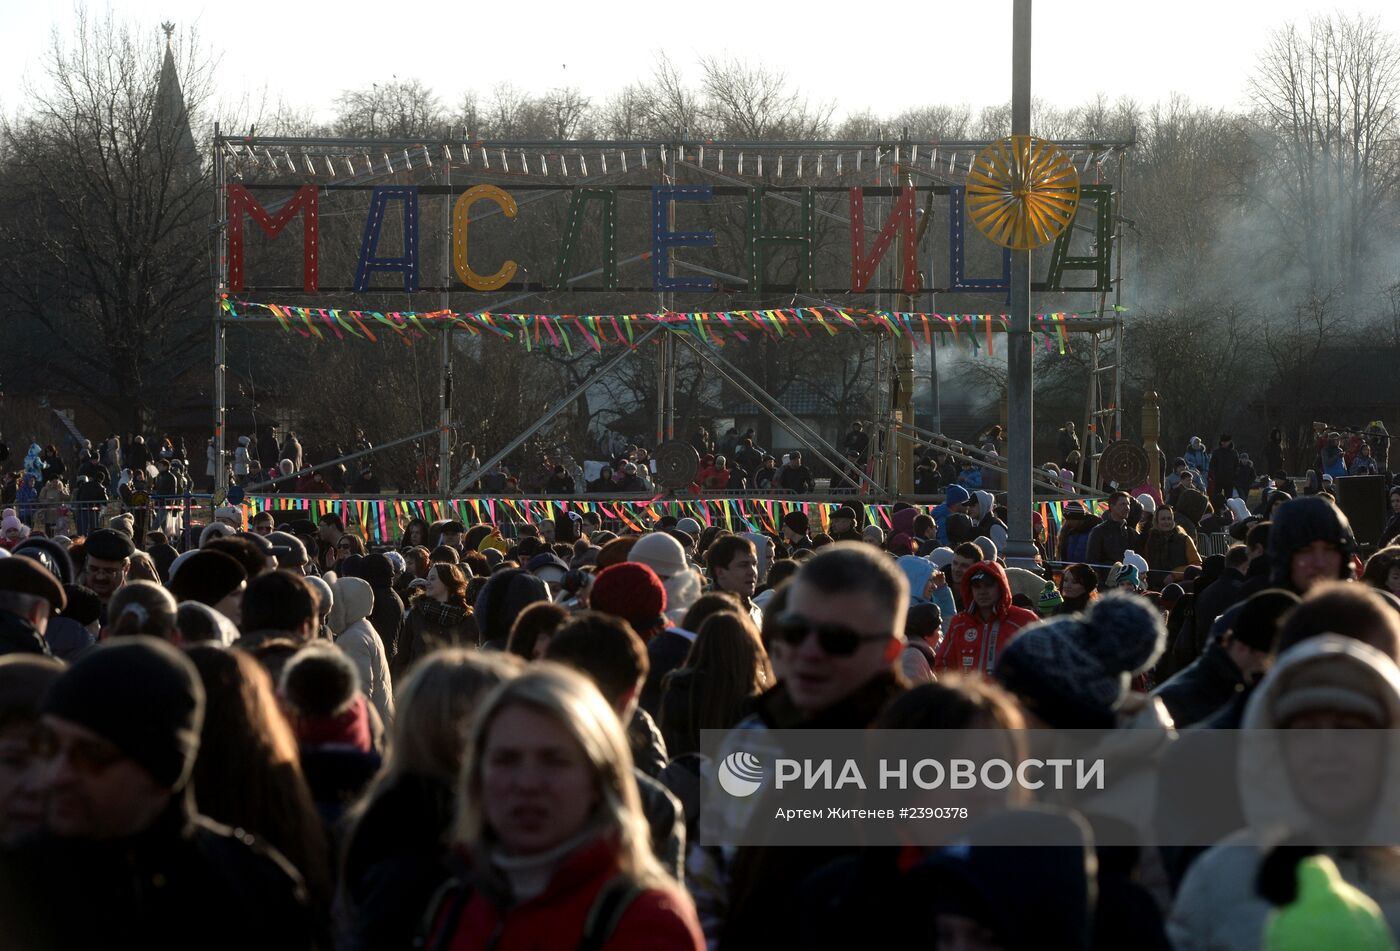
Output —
<point x="354" y="634"/>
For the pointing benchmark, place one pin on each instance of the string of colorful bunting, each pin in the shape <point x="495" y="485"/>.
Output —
<point x="594" y="331"/>
<point x="379" y="521"/>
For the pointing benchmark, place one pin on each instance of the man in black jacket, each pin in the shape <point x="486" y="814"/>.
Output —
<point x="29" y="595"/>
<point x="1229" y="663"/>
<point x="1217" y="597"/>
<point x="1223" y="470"/>
<point x="1116" y="533"/>
<point x="118" y="740"/>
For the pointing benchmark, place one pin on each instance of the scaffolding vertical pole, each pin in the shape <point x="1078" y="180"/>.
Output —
<point x="220" y="341"/>
<point x="1020" y="366"/>
<point x="445" y="481"/>
<point x="902" y="479"/>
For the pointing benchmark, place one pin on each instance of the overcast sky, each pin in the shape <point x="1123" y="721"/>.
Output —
<point x="876" y="56"/>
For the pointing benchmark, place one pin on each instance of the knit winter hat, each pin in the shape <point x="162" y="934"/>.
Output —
<point x="1123" y="574"/>
<point x="1050" y="600"/>
<point x="207" y="577"/>
<point x="1148" y="503"/>
<point x="661" y="553"/>
<point x="215" y="530"/>
<point x="12" y="521"/>
<point x="632" y="592"/>
<point x="901" y="544"/>
<point x="689" y="525"/>
<point x="1257" y="623"/>
<point x="616" y="551"/>
<point x="1076" y="666"/>
<point x="956" y="495"/>
<point x="941" y="557"/>
<point x="796" y="521"/>
<point x="124" y="523"/>
<point x="143" y="696"/>
<point x="1329" y="913"/>
<point x="1131" y="557"/>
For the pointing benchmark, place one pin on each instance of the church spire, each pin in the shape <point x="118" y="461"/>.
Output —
<point x="170" y="118"/>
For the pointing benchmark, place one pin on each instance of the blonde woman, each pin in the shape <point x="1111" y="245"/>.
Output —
<point x="551" y="830"/>
<point x="399" y="832"/>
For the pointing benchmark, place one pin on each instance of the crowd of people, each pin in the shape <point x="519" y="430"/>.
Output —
<point x="265" y="730"/>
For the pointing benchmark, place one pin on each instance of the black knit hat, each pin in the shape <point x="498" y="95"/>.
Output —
<point x="143" y="696"/>
<point x="797" y="521"/>
<point x="1257" y="623"/>
<point x="207" y="577"/>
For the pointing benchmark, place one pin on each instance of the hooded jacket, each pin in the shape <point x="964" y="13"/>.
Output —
<point x="1299" y="523"/>
<point x="972" y="644"/>
<point x="1196" y="456"/>
<point x="387" y="615"/>
<point x="919" y="571"/>
<point x="354" y="634"/>
<point x="1217" y="906"/>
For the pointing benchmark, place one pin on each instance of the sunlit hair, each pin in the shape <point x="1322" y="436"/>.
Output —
<point x="572" y="701"/>
<point x="435" y="707"/>
<point x="142" y="607"/>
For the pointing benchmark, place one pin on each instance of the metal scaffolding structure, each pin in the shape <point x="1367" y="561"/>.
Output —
<point x="552" y="167"/>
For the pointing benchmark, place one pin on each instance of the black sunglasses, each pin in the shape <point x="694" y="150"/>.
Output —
<point x="834" y="639"/>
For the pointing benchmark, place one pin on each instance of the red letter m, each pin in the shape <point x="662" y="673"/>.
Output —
<point x="240" y="200"/>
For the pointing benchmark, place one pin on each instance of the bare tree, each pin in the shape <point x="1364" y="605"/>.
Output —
<point x="1327" y="98"/>
<point x="106" y="207"/>
<point x="399" y="109"/>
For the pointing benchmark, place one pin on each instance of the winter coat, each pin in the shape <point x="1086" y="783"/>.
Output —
<point x="1334" y="462"/>
<point x="760" y="885"/>
<point x="1363" y="465"/>
<point x="1244" y="477"/>
<point x="1197" y="459"/>
<point x="18" y="636"/>
<point x="394" y="862"/>
<point x="797" y="480"/>
<point x="1169" y="551"/>
<point x="184" y="881"/>
<point x="1224" y="463"/>
<point x="666" y="652"/>
<point x="1391" y="533"/>
<point x="1213" y="600"/>
<point x="655" y="920"/>
<point x="1217" y="907"/>
<point x="1072" y="546"/>
<point x="430" y="625"/>
<point x="973" y="645"/>
<point x="354" y="634"/>
<point x="1109" y="540"/>
<point x="648" y="748"/>
<point x="1203" y="687"/>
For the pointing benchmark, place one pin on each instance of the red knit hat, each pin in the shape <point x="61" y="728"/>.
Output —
<point x="633" y="592"/>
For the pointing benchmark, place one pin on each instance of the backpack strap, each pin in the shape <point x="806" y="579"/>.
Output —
<point x="452" y="895"/>
<point x="608" y="908"/>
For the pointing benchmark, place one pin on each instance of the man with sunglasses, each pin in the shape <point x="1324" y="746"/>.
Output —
<point x="986" y="624"/>
<point x="834" y="650"/>
<point x="116" y="746"/>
